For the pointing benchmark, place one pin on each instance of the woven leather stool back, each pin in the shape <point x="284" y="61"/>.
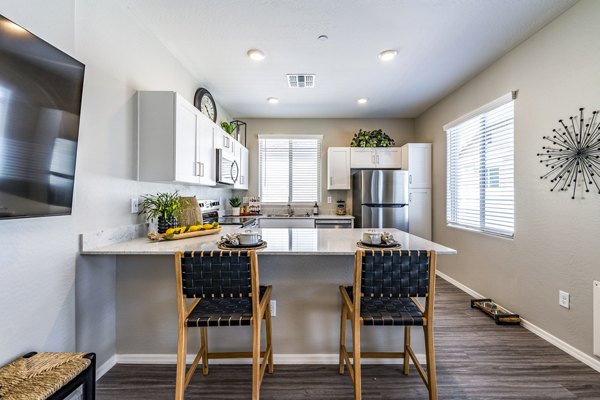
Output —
<point x="395" y="273"/>
<point x="216" y="274"/>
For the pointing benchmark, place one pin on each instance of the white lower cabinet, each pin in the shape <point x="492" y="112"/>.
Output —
<point x="419" y="212"/>
<point x="286" y="222"/>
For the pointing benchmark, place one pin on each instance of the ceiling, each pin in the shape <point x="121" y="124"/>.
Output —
<point x="441" y="44"/>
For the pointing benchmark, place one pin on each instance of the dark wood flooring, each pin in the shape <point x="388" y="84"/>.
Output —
<point x="476" y="359"/>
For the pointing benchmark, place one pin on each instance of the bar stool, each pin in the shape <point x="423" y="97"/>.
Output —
<point x="387" y="284"/>
<point x="224" y="287"/>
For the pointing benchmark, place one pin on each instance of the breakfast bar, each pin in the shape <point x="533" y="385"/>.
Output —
<point x="304" y="266"/>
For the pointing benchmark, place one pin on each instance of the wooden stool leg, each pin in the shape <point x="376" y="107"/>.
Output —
<point x="269" y="337"/>
<point x="430" y="356"/>
<point x="181" y="363"/>
<point x="204" y="345"/>
<point x="256" y="358"/>
<point x="407" y="330"/>
<point x="356" y="354"/>
<point x="343" y="338"/>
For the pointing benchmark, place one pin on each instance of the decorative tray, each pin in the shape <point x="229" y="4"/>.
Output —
<point x="228" y="246"/>
<point x="364" y="245"/>
<point x="156" y="236"/>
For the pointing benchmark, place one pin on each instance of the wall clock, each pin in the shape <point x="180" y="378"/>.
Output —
<point x="204" y="102"/>
<point x="574" y="154"/>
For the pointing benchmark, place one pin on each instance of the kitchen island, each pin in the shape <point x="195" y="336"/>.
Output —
<point x="305" y="267"/>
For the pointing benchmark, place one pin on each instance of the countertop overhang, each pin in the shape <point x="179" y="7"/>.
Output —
<point x="281" y="241"/>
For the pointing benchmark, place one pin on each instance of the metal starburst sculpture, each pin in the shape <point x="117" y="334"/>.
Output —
<point x="574" y="155"/>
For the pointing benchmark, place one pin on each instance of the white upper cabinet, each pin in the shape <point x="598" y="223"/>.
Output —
<point x="175" y="141"/>
<point x="242" y="158"/>
<point x="416" y="159"/>
<point x="225" y="141"/>
<point x="375" y="157"/>
<point x="338" y="168"/>
<point x="205" y="149"/>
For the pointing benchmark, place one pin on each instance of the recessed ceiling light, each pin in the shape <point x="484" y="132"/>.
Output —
<point x="256" y="55"/>
<point x="387" y="55"/>
<point x="273" y="100"/>
<point x="322" y="38"/>
<point x="362" y="100"/>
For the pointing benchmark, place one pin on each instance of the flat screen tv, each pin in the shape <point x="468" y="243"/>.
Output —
<point x="40" y="104"/>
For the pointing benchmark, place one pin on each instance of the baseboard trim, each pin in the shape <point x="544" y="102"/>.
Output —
<point x="281" y="359"/>
<point x="561" y="344"/>
<point x="106" y="366"/>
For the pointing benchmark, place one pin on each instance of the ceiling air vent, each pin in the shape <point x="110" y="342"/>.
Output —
<point x="301" y="80"/>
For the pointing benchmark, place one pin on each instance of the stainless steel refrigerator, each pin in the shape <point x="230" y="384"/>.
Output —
<point x="380" y="199"/>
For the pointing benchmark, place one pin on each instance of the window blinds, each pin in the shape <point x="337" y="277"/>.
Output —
<point x="289" y="168"/>
<point x="480" y="170"/>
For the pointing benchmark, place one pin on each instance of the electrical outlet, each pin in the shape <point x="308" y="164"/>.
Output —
<point x="273" y="306"/>
<point x="329" y="199"/>
<point x="563" y="299"/>
<point x="134" y="205"/>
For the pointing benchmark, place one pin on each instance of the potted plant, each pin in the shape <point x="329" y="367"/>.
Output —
<point x="229" y="127"/>
<point x="376" y="138"/>
<point x="164" y="207"/>
<point x="235" y="203"/>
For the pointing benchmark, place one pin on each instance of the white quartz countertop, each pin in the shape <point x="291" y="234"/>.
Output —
<point x="296" y="216"/>
<point x="281" y="241"/>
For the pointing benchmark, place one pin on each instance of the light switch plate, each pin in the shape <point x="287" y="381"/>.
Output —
<point x="134" y="205"/>
<point x="563" y="299"/>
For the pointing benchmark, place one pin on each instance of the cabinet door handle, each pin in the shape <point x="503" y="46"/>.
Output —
<point x="409" y="178"/>
<point x="377" y="158"/>
<point x="373" y="159"/>
<point x="202" y="169"/>
<point x="331" y="180"/>
<point x="196" y="169"/>
<point x="410" y="197"/>
<point x="242" y="180"/>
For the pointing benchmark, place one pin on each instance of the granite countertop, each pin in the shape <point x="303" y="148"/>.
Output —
<point x="281" y="241"/>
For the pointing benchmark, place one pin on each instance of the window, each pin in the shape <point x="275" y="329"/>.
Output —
<point x="289" y="168"/>
<point x="480" y="175"/>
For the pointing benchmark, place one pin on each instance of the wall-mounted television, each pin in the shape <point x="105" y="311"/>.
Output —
<point x="40" y="104"/>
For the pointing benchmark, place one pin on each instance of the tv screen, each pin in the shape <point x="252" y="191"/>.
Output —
<point x="40" y="104"/>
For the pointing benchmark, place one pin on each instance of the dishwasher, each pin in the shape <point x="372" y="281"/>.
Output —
<point x="333" y="223"/>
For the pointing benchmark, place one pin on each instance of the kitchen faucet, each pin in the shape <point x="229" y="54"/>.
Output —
<point x="290" y="210"/>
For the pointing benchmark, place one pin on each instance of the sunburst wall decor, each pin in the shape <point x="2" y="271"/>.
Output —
<point x="574" y="155"/>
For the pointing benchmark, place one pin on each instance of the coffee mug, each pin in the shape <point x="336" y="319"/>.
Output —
<point x="249" y="237"/>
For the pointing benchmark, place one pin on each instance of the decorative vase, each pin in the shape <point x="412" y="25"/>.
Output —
<point x="235" y="211"/>
<point x="166" y="223"/>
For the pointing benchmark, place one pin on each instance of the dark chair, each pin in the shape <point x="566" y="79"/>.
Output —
<point x="386" y="286"/>
<point x="225" y="290"/>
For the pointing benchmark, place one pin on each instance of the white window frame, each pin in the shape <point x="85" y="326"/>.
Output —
<point x="484" y="174"/>
<point x="319" y="138"/>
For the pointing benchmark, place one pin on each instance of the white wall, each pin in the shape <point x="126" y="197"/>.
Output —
<point x="51" y="299"/>
<point x="337" y="132"/>
<point x="556" y="239"/>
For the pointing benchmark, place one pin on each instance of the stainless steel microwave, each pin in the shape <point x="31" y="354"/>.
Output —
<point x="228" y="169"/>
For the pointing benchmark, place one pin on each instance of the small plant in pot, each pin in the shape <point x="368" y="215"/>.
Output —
<point x="235" y="203"/>
<point x="229" y="127"/>
<point x="164" y="207"/>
